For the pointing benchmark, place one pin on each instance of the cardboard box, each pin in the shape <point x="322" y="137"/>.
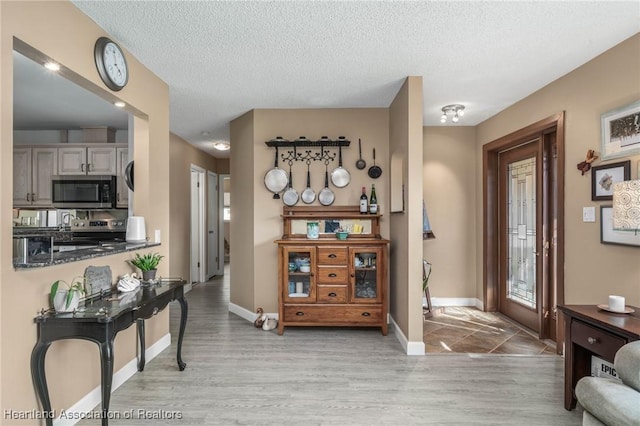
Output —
<point x="602" y="368"/>
<point x="98" y="135"/>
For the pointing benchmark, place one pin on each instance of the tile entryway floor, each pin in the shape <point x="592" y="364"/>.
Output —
<point x="469" y="330"/>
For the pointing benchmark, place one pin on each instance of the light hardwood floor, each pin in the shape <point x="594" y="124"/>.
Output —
<point x="238" y="374"/>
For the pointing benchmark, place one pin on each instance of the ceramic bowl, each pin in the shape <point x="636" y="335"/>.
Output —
<point x="305" y="268"/>
<point x="342" y="235"/>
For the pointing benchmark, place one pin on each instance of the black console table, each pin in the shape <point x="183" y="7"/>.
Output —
<point x="99" y="321"/>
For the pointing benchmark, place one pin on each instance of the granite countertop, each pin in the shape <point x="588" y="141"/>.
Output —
<point x="44" y="259"/>
<point x="62" y="233"/>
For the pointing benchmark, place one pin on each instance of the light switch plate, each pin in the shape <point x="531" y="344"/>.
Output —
<point x="588" y="214"/>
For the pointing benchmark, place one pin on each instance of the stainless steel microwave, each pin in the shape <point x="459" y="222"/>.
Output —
<point x="84" y="192"/>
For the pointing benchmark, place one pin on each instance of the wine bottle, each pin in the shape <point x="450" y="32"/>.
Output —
<point x="373" y="200"/>
<point x="364" y="203"/>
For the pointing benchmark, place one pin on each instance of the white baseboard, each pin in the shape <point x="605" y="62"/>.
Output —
<point x="411" y="348"/>
<point x="247" y="314"/>
<point x="87" y="403"/>
<point x="454" y="301"/>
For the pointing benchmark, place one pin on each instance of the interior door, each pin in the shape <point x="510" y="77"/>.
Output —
<point x="520" y="234"/>
<point x="197" y="225"/>
<point x="212" y="225"/>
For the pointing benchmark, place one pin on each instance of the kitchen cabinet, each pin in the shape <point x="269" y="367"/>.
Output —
<point x="32" y="171"/>
<point x="331" y="282"/>
<point x="122" y="190"/>
<point x="82" y="160"/>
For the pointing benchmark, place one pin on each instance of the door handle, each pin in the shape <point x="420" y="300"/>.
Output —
<point x="332" y="256"/>
<point x="82" y="167"/>
<point x="332" y="275"/>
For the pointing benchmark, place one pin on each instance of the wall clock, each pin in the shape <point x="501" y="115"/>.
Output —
<point x="111" y="64"/>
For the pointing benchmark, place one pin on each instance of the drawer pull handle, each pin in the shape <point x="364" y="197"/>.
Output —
<point x="366" y="314"/>
<point x="592" y="340"/>
<point x="332" y="275"/>
<point x="332" y="294"/>
<point x="300" y="313"/>
<point x="332" y="256"/>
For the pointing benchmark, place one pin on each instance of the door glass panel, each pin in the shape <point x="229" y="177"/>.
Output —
<point x="366" y="285"/>
<point x="521" y="232"/>
<point x="299" y="274"/>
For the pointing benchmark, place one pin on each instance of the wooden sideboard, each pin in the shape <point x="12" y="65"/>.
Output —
<point x="592" y="331"/>
<point x="325" y="281"/>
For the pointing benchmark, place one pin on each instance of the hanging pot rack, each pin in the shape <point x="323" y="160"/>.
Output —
<point x="321" y="154"/>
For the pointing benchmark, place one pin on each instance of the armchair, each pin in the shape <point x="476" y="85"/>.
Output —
<point x="609" y="402"/>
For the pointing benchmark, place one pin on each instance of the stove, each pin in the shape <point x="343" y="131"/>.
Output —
<point x="96" y="232"/>
<point x="98" y="225"/>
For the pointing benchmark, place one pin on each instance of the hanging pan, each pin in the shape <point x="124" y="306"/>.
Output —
<point x="290" y="196"/>
<point x="308" y="195"/>
<point x="326" y="196"/>
<point x="128" y="175"/>
<point x="360" y="164"/>
<point x="276" y="179"/>
<point x="340" y="176"/>
<point x="374" y="171"/>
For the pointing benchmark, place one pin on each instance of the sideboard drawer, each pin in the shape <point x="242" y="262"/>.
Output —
<point x="332" y="275"/>
<point x="332" y="256"/>
<point x="596" y="340"/>
<point x="333" y="315"/>
<point x="332" y="294"/>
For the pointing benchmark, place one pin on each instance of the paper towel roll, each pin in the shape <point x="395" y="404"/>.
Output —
<point x="616" y="303"/>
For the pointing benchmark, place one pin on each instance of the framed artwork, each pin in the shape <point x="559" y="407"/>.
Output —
<point x="609" y="236"/>
<point x="603" y="177"/>
<point x="621" y="132"/>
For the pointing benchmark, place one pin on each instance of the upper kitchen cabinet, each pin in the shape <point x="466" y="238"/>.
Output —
<point x="32" y="172"/>
<point x="83" y="160"/>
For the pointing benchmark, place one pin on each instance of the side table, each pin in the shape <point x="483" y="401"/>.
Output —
<point x="592" y="331"/>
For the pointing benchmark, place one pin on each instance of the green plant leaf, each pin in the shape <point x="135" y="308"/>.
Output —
<point x="54" y="290"/>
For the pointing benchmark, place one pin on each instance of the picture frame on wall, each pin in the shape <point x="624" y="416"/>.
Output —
<point x="621" y="132"/>
<point x="603" y="177"/>
<point x="610" y="236"/>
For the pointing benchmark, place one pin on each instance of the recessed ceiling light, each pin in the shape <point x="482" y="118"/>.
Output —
<point x="221" y="145"/>
<point x="52" y="66"/>
<point x="120" y="104"/>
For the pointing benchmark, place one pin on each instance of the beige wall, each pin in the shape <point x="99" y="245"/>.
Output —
<point x="60" y="31"/>
<point x="449" y="175"/>
<point x="242" y="219"/>
<point x="183" y="155"/>
<point x="592" y="270"/>
<point x="254" y="269"/>
<point x="405" y="142"/>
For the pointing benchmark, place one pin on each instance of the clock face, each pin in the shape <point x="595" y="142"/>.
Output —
<point x="111" y="64"/>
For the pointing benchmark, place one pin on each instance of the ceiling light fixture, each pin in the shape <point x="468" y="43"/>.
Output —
<point x="455" y="111"/>
<point x="221" y="145"/>
<point x="52" y="66"/>
<point x="119" y="104"/>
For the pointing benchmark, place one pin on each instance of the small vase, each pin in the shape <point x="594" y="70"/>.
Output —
<point x="149" y="275"/>
<point x="60" y="300"/>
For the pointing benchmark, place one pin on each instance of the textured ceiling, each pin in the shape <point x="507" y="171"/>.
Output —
<point x="221" y="59"/>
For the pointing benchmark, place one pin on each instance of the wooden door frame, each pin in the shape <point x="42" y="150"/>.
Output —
<point x="490" y="165"/>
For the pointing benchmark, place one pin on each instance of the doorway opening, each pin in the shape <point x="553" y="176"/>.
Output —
<point x="523" y="236"/>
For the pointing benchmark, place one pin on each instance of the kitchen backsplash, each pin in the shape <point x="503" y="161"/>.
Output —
<point x="61" y="217"/>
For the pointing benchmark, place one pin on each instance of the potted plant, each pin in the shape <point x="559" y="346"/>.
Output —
<point x="148" y="264"/>
<point x="67" y="299"/>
